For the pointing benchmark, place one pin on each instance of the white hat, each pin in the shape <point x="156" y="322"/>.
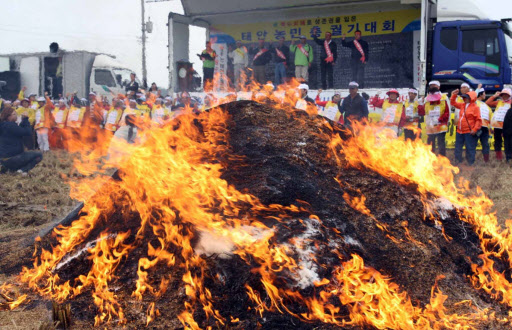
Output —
<point x="413" y="90"/>
<point x="435" y="82"/>
<point x="480" y="90"/>
<point x="92" y="93"/>
<point x="303" y="86"/>
<point x="40" y="99"/>
<point x="169" y="98"/>
<point x="83" y="100"/>
<point x="506" y="91"/>
<point x="465" y="85"/>
<point x="62" y="100"/>
<point x="7" y="102"/>
<point x="353" y="84"/>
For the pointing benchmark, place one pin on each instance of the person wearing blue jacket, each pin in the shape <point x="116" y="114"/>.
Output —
<point x="13" y="156"/>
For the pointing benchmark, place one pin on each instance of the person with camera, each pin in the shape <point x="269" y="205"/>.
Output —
<point x="469" y="125"/>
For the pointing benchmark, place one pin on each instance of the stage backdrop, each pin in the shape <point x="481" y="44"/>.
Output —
<point x="391" y="37"/>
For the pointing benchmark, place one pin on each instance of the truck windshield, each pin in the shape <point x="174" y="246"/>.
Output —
<point x="124" y="75"/>
<point x="507" y="28"/>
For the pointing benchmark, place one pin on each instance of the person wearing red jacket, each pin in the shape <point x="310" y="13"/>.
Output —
<point x="393" y="114"/>
<point x="468" y="125"/>
<point x="437" y="114"/>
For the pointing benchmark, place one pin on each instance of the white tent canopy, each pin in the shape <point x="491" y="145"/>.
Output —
<point x="239" y="11"/>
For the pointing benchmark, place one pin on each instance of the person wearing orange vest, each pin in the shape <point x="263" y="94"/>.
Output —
<point x="43" y="121"/>
<point x="331" y="109"/>
<point x="502" y="107"/>
<point x="393" y="114"/>
<point x="486" y="114"/>
<point x="437" y="114"/>
<point x="468" y="125"/>
<point x="60" y="116"/>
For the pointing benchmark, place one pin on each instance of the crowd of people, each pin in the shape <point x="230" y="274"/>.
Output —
<point x="249" y="62"/>
<point x="30" y="122"/>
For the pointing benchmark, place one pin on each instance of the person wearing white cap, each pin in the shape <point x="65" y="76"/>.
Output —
<point x="485" y="114"/>
<point x="303" y="55"/>
<point x="437" y="115"/>
<point x="304" y="100"/>
<point x="60" y="117"/>
<point x="43" y="122"/>
<point x="354" y="107"/>
<point x="168" y="102"/>
<point x="502" y="108"/>
<point x="413" y="111"/>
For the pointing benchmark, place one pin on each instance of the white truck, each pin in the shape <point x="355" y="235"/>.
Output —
<point x="66" y="72"/>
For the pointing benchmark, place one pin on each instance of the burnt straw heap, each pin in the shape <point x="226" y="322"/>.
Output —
<point x="251" y="216"/>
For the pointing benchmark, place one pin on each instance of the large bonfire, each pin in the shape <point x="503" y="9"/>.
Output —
<point x="260" y="215"/>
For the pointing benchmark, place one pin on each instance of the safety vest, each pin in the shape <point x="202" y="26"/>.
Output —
<point x="485" y="113"/>
<point x="411" y="111"/>
<point x="499" y="114"/>
<point x="129" y="111"/>
<point x="112" y="119"/>
<point x="331" y="112"/>
<point x="432" y="114"/>
<point x="41" y="118"/>
<point x="76" y="117"/>
<point x="391" y="113"/>
<point x="60" y="116"/>
<point x="159" y="113"/>
<point x="29" y="112"/>
<point x="144" y="108"/>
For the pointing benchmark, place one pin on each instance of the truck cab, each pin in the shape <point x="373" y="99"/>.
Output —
<point x="472" y="51"/>
<point x="109" y="77"/>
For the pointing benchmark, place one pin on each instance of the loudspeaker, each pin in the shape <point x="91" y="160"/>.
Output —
<point x="12" y="88"/>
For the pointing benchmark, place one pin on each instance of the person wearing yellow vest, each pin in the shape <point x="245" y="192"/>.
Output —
<point x="43" y="121"/>
<point x="24" y="110"/>
<point x="331" y="108"/>
<point x="393" y="115"/>
<point x="75" y="116"/>
<point x="413" y="111"/>
<point x="113" y="117"/>
<point x="486" y="115"/>
<point x="159" y="113"/>
<point x="59" y="115"/>
<point x="131" y="109"/>
<point x="502" y="107"/>
<point x="437" y="114"/>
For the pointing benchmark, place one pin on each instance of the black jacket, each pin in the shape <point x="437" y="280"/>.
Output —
<point x="132" y="86"/>
<point x="356" y="55"/>
<point x="11" y="137"/>
<point x="263" y="59"/>
<point x="285" y="50"/>
<point x="332" y="45"/>
<point x="507" y="124"/>
<point x="356" y="108"/>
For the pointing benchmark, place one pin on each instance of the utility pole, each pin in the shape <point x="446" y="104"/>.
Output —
<point x="143" y="21"/>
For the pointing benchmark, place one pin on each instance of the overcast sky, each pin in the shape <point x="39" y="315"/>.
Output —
<point x="114" y="27"/>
